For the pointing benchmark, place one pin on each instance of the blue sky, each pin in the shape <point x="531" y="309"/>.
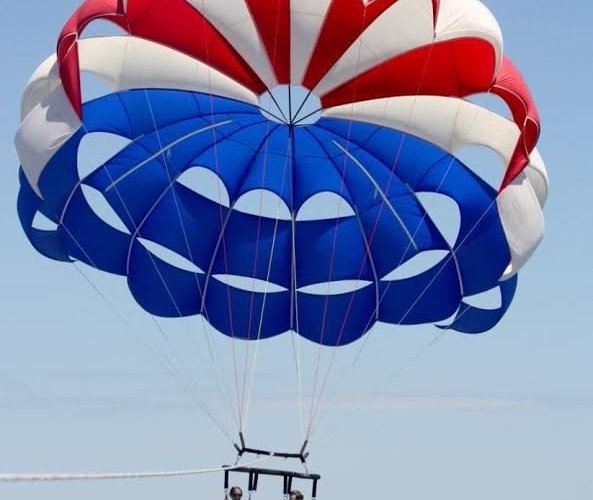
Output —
<point x="503" y="415"/>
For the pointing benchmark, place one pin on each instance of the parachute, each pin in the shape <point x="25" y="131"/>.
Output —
<point x="371" y="111"/>
<point x="275" y="161"/>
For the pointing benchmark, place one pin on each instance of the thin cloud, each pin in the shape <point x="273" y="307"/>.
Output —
<point x="402" y="403"/>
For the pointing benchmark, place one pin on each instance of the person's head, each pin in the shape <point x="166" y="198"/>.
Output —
<point x="236" y="493"/>
<point x="296" y="495"/>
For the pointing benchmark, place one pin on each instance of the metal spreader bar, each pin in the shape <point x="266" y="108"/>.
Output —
<point x="302" y="455"/>
<point x="288" y="476"/>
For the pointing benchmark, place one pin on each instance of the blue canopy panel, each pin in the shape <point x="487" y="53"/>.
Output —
<point x="46" y="242"/>
<point x="376" y="171"/>
<point x="470" y="319"/>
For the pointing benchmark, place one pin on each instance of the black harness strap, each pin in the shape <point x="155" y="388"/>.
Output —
<point x="255" y="480"/>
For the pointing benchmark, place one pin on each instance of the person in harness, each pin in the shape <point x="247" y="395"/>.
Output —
<point x="235" y="493"/>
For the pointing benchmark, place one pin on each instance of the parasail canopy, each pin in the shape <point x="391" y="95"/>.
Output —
<point x="276" y="157"/>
